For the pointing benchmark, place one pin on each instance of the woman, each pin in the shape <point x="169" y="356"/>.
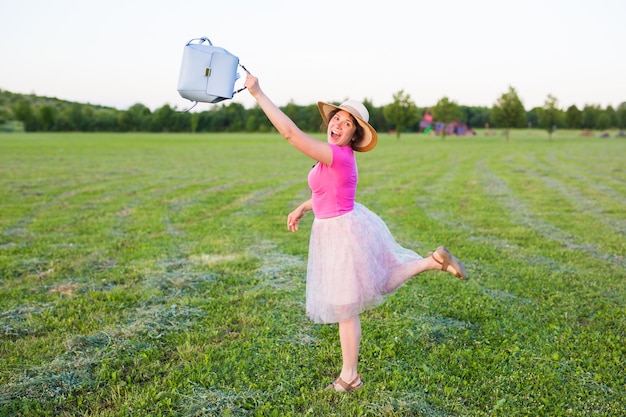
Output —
<point x="353" y="258"/>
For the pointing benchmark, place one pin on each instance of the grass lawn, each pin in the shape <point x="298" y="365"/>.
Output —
<point x="153" y="275"/>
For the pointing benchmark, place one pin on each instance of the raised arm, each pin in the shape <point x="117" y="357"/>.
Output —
<point x="313" y="148"/>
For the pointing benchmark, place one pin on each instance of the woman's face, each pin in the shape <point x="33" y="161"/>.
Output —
<point x="341" y="128"/>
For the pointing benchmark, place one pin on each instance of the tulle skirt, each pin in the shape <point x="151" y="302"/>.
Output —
<point x="350" y="259"/>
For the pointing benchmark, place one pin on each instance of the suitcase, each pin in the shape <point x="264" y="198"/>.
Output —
<point x="207" y="73"/>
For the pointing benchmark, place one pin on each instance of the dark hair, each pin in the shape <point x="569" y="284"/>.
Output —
<point x="359" y="134"/>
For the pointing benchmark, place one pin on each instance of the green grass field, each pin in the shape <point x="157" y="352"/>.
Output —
<point x="152" y="275"/>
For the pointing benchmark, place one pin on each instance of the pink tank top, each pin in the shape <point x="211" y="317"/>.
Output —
<point x="333" y="188"/>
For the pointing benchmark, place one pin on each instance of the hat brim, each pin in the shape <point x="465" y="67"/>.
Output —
<point x="370" y="137"/>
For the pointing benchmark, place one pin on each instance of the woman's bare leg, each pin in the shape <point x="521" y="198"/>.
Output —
<point x="403" y="273"/>
<point x="350" y="338"/>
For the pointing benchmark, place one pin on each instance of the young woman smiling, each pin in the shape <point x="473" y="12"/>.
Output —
<point x="353" y="261"/>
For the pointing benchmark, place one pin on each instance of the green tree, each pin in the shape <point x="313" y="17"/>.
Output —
<point x="23" y="112"/>
<point x="476" y="116"/>
<point x="446" y="111"/>
<point x="620" y="115"/>
<point x="181" y="121"/>
<point x="256" y="120"/>
<point x="5" y="115"/>
<point x="549" y="115"/>
<point x="136" y="119"/>
<point x="103" y="120"/>
<point x="508" y="111"/>
<point x="311" y="119"/>
<point x="532" y="117"/>
<point x="76" y="116"/>
<point x="163" y="118"/>
<point x="573" y="117"/>
<point x="46" y="114"/>
<point x="401" y="113"/>
<point x="589" y="116"/>
<point x="89" y="117"/>
<point x="252" y="123"/>
<point x="603" y="121"/>
<point x="377" y="118"/>
<point x="195" y="117"/>
<point x="235" y="116"/>
<point x="612" y="116"/>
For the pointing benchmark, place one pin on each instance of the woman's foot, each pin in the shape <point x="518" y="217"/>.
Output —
<point x="342" y="386"/>
<point x="449" y="262"/>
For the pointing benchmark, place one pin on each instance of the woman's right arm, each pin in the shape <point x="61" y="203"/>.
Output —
<point x="294" y="217"/>
<point x="320" y="151"/>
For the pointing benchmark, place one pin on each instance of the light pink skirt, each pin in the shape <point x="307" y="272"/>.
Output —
<point x="350" y="259"/>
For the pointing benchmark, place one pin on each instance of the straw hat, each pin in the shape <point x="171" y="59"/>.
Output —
<point x="362" y="116"/>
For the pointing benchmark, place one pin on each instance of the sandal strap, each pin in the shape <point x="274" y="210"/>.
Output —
<point x="444" y="262"/>
<point x="444" y="265"/>
<point x="348" y="386"/>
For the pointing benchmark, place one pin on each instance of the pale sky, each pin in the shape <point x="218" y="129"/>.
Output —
<point x="118" y="53"/>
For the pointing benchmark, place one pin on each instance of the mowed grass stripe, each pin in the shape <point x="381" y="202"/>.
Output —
<point x="536" y="206"/>
<point x="579" y="200"/>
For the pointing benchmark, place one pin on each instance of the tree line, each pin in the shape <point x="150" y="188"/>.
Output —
<point x="33" y="113"/>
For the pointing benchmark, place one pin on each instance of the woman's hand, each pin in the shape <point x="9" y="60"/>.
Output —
<point x="252" y="84"/>
<point x="294" y="218"/>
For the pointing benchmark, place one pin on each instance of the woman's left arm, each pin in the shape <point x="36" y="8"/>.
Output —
<point x="294" y="217"/>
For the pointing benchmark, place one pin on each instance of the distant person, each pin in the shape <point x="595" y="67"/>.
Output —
<point x="428" y="116"/>
<point x="353" y="258"/>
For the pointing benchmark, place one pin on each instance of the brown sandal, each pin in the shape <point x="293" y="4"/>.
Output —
<point x="447" y="259"/>
<point x="344" y="386"/>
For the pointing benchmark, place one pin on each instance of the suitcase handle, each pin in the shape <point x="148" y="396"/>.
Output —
<point x="202" y="40"/>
